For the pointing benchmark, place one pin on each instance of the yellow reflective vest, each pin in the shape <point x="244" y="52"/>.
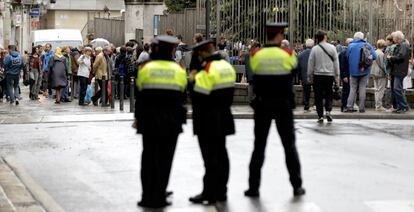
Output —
<point x="162" y="74"/>
<point x="218" y="74"/>
<point x="273" y="61"/>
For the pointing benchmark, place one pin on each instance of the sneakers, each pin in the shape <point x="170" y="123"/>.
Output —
<point x="320" y="120"/>
<point x="380" y="109"/>
<point x="299" y="192"/>
<point x="329" y="117"/>
<point x="401" y="111"/>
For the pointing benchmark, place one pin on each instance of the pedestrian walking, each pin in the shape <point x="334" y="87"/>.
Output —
<point x="212" y="98"/>
<point x="379" y="74"/>
<point x="35" y="73"/>
<point x="3" y="84"/>
<point x="84" y="62"/>
<point x="272" y="68"/>
<point x="58" y="73"/>
<point x="303" y="60"/>
<point x="100" y="70"/>
<point x="13" y="65"/>
<point x="399" y="61"/>
<point x="75" y="54"/>
<point x="47" y="55"/>
<point x="65" y="91"/>
<point x="159" y="115"/>
<point x="344" y="73"/>
<point x="361" y="56"/>
<point x="389" y="50"/>
<point x="323" y="72"/>
<point x="248" y="69"/>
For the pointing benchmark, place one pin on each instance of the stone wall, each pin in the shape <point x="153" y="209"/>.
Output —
<point x="240" y="96"/>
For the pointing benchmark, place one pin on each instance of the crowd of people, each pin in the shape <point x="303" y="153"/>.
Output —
<point x="325" y="67"/>
<point x="64" y="73"/>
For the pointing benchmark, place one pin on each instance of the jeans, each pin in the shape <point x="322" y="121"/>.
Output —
<point x="76" y="87"/>
<point x="399" y="94"/>
<point x="65" y="91"/>
<point x="35" y="85"/>
<point x="360" y="84"/>
<point x="380" y="84"/>
<point x="83" y="81"/>
<point x="322" y="85"/>
<point x="13" y="87"/>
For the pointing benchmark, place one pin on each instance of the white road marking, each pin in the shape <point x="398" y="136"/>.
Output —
<point x="391" y="206"/>
<point x="295" y="207"/>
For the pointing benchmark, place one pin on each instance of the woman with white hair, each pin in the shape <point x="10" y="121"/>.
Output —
<point x="379" y="74"/>
<point x="400" y="62"/>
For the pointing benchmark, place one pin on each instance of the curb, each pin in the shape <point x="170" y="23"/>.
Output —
<point x="43" y="201"/>
<point x="14" y="195"/>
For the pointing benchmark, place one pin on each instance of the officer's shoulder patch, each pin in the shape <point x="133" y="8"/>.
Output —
<point x="254" y="52"/>
<point x="289" y="51"/>
<point x="208" y="66"/>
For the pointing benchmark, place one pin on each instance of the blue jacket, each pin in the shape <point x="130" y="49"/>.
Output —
<point x="13" y="64"/>
<point x="302" y="67"/>
<point x="354" y="55"/>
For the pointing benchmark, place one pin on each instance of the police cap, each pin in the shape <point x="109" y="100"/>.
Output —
<point x="204" y="45"/>
<point x="166" y="39"/>
<point x="276" y="27"/>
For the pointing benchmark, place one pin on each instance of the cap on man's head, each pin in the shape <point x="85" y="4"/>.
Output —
<point x="204" y="45"/>
<point x="166" y="39"/>
<point x="277" y="27"/>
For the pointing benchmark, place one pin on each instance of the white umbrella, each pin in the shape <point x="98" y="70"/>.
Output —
<point x="100" y="42"/>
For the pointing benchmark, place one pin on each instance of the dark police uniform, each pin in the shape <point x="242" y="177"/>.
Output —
<point x="159" y="116"/>
<point x="272" y="81"/>
<point x="212" y="97"/>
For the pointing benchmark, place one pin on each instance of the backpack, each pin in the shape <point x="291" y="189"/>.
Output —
<point x="366" y="59"/>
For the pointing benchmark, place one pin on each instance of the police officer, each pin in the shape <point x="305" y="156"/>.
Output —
<point x="212" y="96"/>
<point x="159" y="117"/>
<point x="272" y="68"/>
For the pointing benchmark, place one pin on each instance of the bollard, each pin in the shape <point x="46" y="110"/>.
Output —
<point x="121" y="93"/>
<point x="103" y="92"/>
<point x="132" y="96"/>
<point x="113" y="84"/>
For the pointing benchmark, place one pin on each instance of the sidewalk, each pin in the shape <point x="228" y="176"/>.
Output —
<point x="14" y="196"/>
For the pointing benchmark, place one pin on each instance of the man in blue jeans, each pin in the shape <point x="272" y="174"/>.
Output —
<point x="399" y="61"/>
<point x="13" y="65"/>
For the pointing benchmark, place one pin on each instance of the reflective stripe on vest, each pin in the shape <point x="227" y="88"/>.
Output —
<point x="273" y="61"/>
<point x="161" y="74"/>
<point x="220" y="75"/>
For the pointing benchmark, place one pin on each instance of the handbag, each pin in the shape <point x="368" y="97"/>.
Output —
<point x="337" y="93"/>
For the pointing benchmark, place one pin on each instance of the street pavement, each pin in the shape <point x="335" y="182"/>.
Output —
<point x="87" y="159"/>
<point x="349" y="165"/>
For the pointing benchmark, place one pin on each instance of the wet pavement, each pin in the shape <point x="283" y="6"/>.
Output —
<point x="350" y="165"/>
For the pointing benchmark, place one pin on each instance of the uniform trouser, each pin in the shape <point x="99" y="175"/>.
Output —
<point x="322" y="86"/>
<point x="13" y="87"/>
<point x="216" y="163"/>
<point x="360" y="84"/>
<point x="345" y="94"/>
<point x="380" y="84"/>
<point x="157" y="157"/>
<point x="285" y="126"/>
<point x="307" y="89"/>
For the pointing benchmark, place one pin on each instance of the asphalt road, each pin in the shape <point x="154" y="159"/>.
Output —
<point x="358" y="166"/>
